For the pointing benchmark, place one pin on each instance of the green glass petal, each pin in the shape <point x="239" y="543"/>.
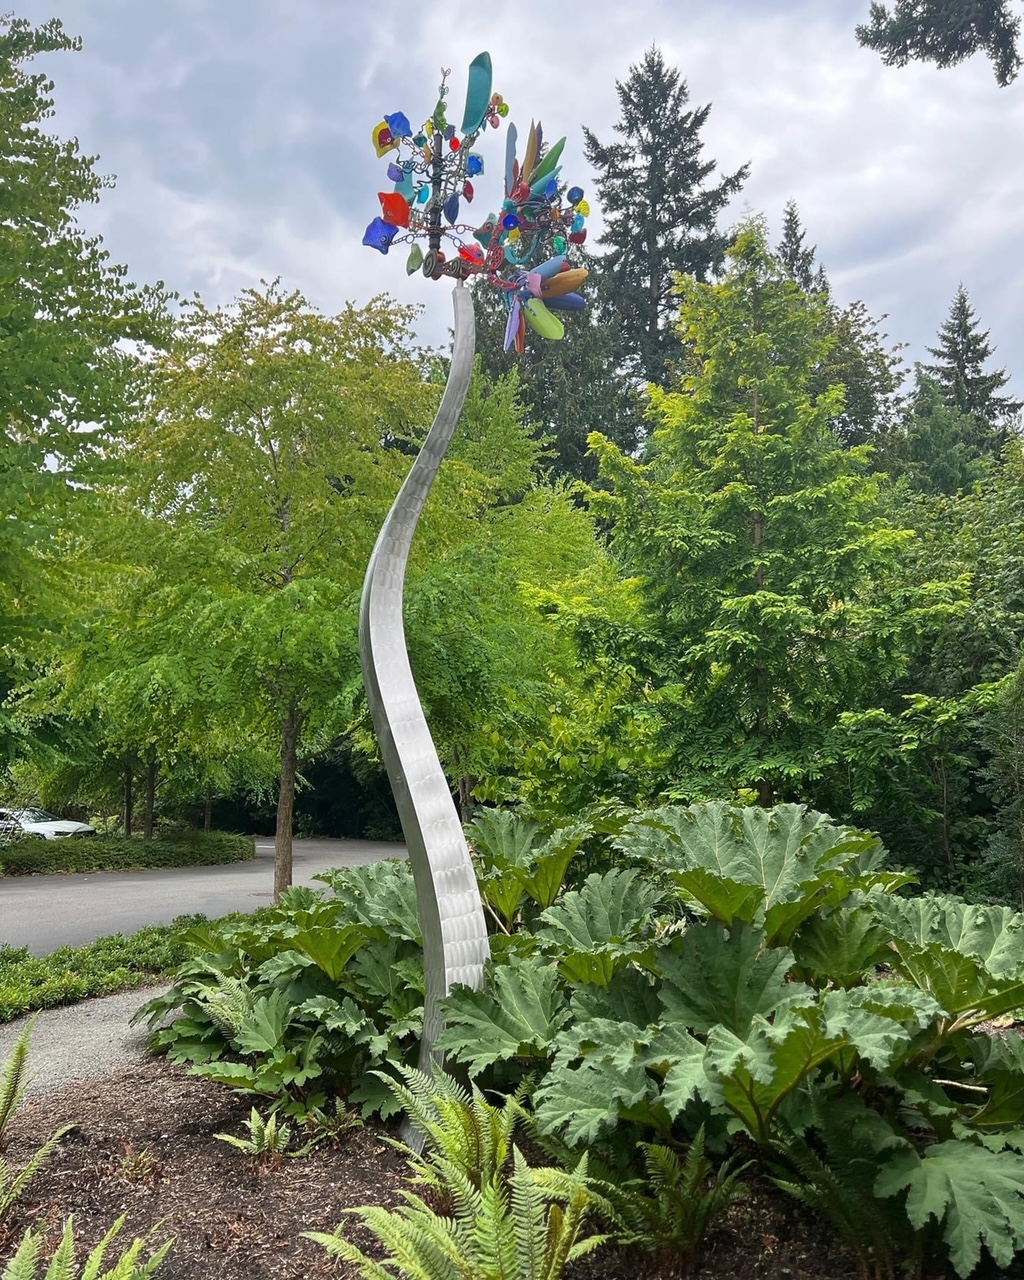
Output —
<point x="547" y="164"/>
<point x="478" y="94"/>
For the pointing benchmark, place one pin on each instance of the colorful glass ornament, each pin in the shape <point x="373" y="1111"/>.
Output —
<point x="520" y="250"/>
<point x="379" y="235"/>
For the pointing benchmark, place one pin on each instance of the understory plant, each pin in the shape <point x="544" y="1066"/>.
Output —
<point x="706" y="981"/>
<point x="12" y="1090"/>
<point x="301" y="1002"/>
<point x="129" y="1265"/>
<point x="501" y="1220"/>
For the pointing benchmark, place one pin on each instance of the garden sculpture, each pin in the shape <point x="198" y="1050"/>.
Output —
<point x="523" y="253"/>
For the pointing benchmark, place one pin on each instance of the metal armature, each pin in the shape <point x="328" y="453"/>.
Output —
<point x="451" y="914"/>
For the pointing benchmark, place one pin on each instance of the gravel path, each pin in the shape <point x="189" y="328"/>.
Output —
<point x="85" y="1041"/>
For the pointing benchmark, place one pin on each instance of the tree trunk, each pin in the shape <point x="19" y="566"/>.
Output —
<point x="286" y="802"/>
<point x="208" y="811"/>
<point x="128" y="800"/>
<point x="147" y="828"/>
<point x="466" y="801"/>
<point x="765" y="793"/>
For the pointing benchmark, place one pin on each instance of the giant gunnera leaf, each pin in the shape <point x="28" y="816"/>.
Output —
<point x="518" y="1015"/>
<point x="773" y="868"/>
<point x="976" y="1195"/>
<point x="598" y="929"/>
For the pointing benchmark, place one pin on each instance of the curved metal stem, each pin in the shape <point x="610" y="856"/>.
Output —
<point x="451" y="914"/>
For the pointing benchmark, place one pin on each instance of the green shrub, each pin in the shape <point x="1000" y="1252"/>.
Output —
<point x="114" y="963"/>
<point x="742" y="973"/>
<point x="305" y="999"/>
<point x="35" y="856"/>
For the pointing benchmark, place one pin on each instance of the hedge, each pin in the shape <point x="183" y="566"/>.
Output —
<point x="34" y="855"/>
<point x="113" y="963"/>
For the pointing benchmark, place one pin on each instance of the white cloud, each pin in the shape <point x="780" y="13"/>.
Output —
<point x="240" y="134"/>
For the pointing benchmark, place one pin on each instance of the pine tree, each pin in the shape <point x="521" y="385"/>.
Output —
<point x="960" y="356"/>
<point x="945" y="32"/>
<point x="796" y="259"/>
<point x="660" y="214"/>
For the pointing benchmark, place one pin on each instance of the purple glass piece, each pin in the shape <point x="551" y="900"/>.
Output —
<point x="379" y="234"/>
<point x="399" y="125"/>
<point x="475" y="165"/>
<point x="513" y="323"/>
<point x="449" y="132"/>
<point x="395" y="173"/>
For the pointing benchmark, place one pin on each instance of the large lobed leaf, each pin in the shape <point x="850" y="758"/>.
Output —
<point x="772" y="867"/>
<point x="519" y="1014"/>
<point x="597" y="929"/>
<point x="978" y="1196"/>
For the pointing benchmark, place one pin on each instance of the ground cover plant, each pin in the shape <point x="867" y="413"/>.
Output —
<point x="746" y="983"/>
<point x="35" y="856"/>
<point x="113" y="963"/>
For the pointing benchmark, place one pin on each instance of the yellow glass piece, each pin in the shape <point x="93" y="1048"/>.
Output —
<point x="583" y="207"/>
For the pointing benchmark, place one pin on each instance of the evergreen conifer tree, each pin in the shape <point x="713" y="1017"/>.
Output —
<point x="796" y="258"/>
<point x="945" y="32"/>
<point x="661" y="211"/>
<point x="962" y="351"/>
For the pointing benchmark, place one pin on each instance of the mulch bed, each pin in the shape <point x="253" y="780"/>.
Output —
<point x="144" y="1146"/>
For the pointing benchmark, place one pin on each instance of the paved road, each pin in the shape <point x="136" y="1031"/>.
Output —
<point x="44" y="912"/>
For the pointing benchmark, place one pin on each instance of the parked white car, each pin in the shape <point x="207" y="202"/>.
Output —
<point x="37" y="822"/>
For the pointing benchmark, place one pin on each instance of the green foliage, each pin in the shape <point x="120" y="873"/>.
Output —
<point x="301" y="1002"/>
<point x="523" y="1224"/>
<point x="768" y="982"/>
<point x="678" y="1203"/>
<point x="945" y="32"/>
<point x="35" y="856"/>
<point x="755" y="536"/>
<point x="67" y="378"/>
<point x="113" y="963"/>
<point x="459" y="1127"/>
<point x="267" y="1141"/>
<point x="774" y="868"/>
<point x="12" y="1078"/>
<point x="659" y="164"/>
<point x="129" y="1265"/>
<point x="516" y="1016"/>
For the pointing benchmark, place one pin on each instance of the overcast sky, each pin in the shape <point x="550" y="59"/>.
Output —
<point x="239" y="134"/>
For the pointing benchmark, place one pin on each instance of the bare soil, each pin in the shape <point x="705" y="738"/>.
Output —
<point x="143" y="1145"/>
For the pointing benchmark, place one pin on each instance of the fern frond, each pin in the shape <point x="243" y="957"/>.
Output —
<point x="12" y="1188"/>
<point x="23" y="1265"/>
<point x="12" y="1079"/>
<point x="229" y="1005"/>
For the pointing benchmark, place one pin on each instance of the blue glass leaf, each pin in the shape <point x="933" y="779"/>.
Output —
<point x="423" y="194"/>
<point x="379" y="234"/>
<point x="399" y="125"/>
<point x="566" y="302"/>
<point x="474" y="165"/>
<point x="478" y="93"/>
<point x="451" y="208"/>
<point x="578" y="222"/>
<point x="551" y="190"/>
<point x="575" y="195"/>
